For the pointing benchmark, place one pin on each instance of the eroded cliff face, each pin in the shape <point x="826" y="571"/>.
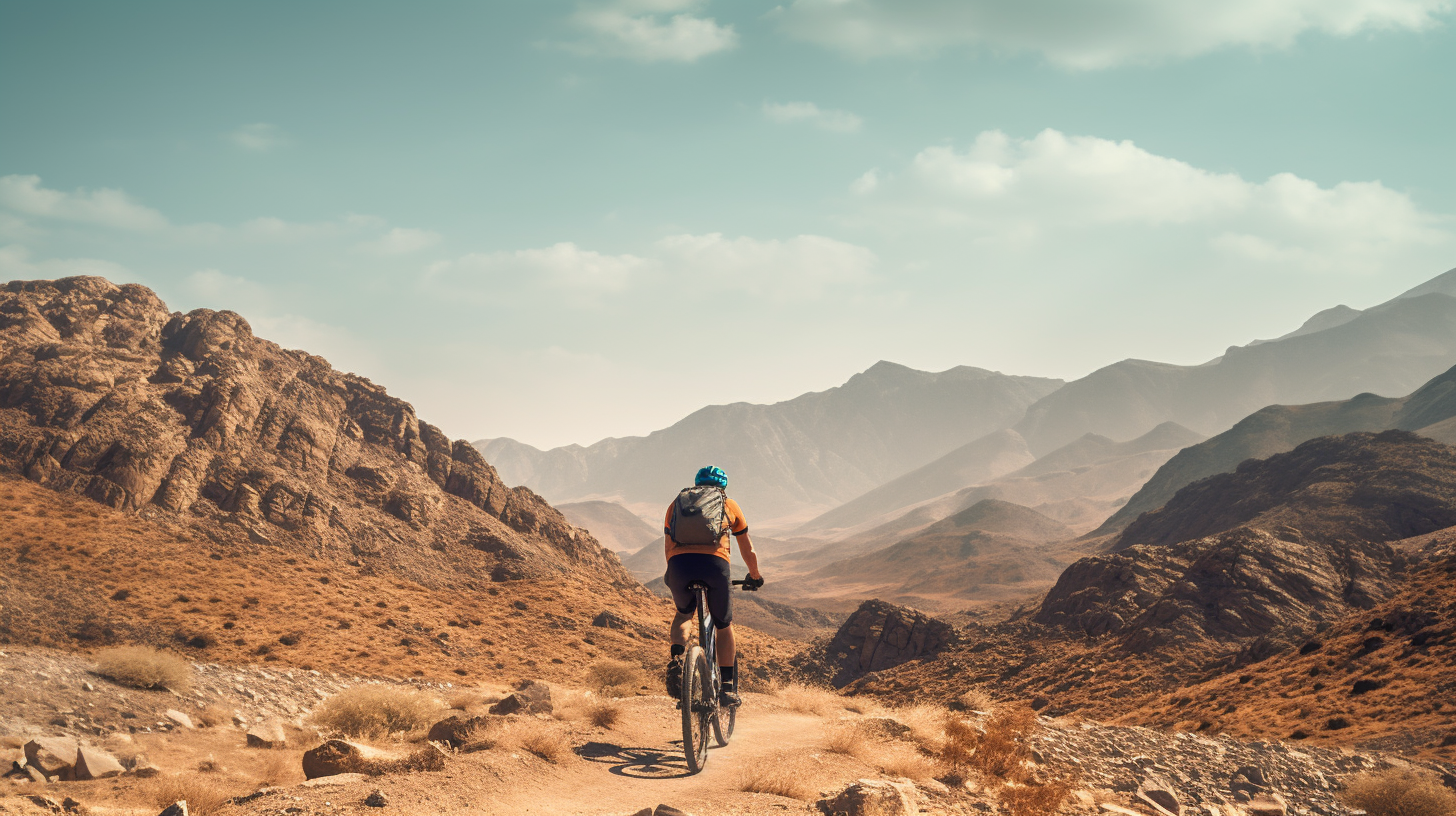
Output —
<point x="189" y="419"/>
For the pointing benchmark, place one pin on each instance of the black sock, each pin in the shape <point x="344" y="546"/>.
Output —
<point x="676" y="650"/>
<point x="727" y="672"/>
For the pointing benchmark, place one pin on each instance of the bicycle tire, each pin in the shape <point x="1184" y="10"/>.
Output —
<point x="697" y="692"/>
<point x="727" y="716"/>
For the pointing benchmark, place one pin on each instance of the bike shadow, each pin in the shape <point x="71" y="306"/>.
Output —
<point x="638" y="762"/>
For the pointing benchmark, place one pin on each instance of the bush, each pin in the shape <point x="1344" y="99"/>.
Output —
<point x="214" y="715"/>
<point x="974" y="699"/>
<point x="1035" y="800"/>
<point x="809" y="699"/>
<point x="847" y="738"/>
<point x="614" y="678"/>
<point x="203" y="794"/>
<point x="604" y="713"/>
<point x="377" y="711"/>
<point x="906" y="761"/>
<point x="787" y="773"/>
<point x="1397" y="792"/>
<point x="1002" y="750"/>
<point x="543" y="739"/>
<point x="145" y="668"/>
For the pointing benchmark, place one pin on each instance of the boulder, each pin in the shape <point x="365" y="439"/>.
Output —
<point x="175" y="809"/>
<point x="341" y="757"/>
<point x="267" y="735"/>
<point x="1158" y="793"/>
<point x="530" y="697"/>
<point x="94" y="763"/>
<point x="52" y="756"/>
<point x="873" y="797"/>
<point x="178" y="717"/>
<point x="880" y="636"/>
<point x="1267" y="804"/>
<point x="668" y="810"/>
<point x="455" y="730"/>
<point x="375" y="799"/>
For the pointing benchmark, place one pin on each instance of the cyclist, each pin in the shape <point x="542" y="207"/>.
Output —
<point x="696" y="516"/>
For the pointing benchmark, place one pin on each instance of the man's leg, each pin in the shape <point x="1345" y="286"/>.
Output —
<point x="677" y="634"/>
<point x="726" y="651"/>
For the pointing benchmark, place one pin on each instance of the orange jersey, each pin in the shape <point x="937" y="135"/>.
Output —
<point x="723" y="549"/>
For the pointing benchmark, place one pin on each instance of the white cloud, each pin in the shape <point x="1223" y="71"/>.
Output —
<point x="651" y="31"/>
<point x="402" y="241"/>
<point x="104" y="207"/>
<point x="16" y="264"/>
<point x="563" y="266"/>
<point x="1091" y="34"/>
<point x="1083" y="191"/>
<point x="837" y="121"/>
<point x="259" y="137"/>
<point x="802" y="267"/>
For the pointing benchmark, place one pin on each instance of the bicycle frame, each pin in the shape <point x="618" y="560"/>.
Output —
<point x="708" y="637"/>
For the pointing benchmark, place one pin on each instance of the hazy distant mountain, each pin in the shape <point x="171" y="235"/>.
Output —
<point x="612" y="525"/>
<point x="1078" y="484"/>
<point x="1430" y="411"/>
<point x="792" y="459"/>
<point x="1387" y="349"/>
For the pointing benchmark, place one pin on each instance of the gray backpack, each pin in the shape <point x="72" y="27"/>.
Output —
<point x="700" y="515"/>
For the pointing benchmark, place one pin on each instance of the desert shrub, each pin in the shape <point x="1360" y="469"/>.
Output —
<point x="904" y="760"/>
<point x="1399" y="792"/>
<point x="786" y="773"/>
<point x="542" y="738"/>
<point x="1002" y="749"/>
<point x="1035" y="800"/>
<point x="926" y="724"/>
<point x="467" y="699"/>
<point x="603" y="713"/>
<point x="614" y="678"/>
<point x="848" y="738"/>
<point x="203" y="794"/>
<point x="145" y="668"/>
<point x="281" y="768"/>
<point x="809" y="699"/>
<point x="214" y="715"/>
<point x="959" y="743"/>
<point x="377" y="711"/>
<point x="974" y="699"/>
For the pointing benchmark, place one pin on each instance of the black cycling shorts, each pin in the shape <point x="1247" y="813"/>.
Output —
<point x="685" y="568"/>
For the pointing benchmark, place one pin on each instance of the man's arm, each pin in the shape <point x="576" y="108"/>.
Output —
<point x="745" y="549"/>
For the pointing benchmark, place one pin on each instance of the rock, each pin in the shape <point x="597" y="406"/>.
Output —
<point x="531" y="697"/>
<point x="1159" y="794"/>
<point x="873" y="797"/>
<point x="332" y="781"/>
<point x="86" y="685"/>
<point x="375" y="799"/>
<point x="1267" y="804"/>
<point x="342" y="757"/>
<point x="70" y="804"/>
<point x="668" y="810"/>
<point x="455" y="730"/>
<point x="175" y="809"/>
<point x="887" y="727"/>
<point x="1108" y="807"/>
<point x="178" y="717"/>
<point x="935" y="786"/>
<point x="52" y="756"/>
<point x="36" y="775"/>
<point x="267" y="735"/>
<point x="145" y="770"/>
<point x="610" y="620"/>
<point x="94" y="763"/>
<point x="881" y="635"/>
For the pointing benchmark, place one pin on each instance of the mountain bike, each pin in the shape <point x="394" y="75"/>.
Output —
<point x="701" y="683"/>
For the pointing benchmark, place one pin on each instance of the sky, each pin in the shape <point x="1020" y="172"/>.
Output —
<point x="562" y="221"/>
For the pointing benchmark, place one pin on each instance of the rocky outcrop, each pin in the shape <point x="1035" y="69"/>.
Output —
<point x="530" y="697"/>
<point x="1280" y="547"/>
<point x="190" y="419"/>
<point x="877" y="636"/>
<point x="873" y="797"/>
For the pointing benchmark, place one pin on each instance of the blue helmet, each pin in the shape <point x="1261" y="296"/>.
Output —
<point x="711" y="476"/>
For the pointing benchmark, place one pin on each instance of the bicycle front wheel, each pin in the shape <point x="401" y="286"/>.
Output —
<point x="698" y="704"/>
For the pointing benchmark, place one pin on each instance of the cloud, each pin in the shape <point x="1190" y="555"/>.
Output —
<point x="836" y="121"/>
<point x="16" y="264"/>
<point x="1093" y="34"/>
<point x="802" y="267"/>
<point x="402" y="241"/>
<point x="259" y="137"/>
<point x="651" y="31"/>
<point x="564" y="267"/>
<point x="104" y="207"/>
<point x="1058" y="189"/>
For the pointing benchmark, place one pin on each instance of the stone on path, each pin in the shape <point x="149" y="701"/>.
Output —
<point x="668" y="810"/>
<point x="267" y="735"/>
<point x="178" y="717"/>
<point x="94" y="763"/>
<point x="175" y="809"/>
<point x="375" y="799"/>
<point x="1158" y="793"/>
<point x="340" y="757"/>
<point x="873" y="797"/>
<point x="1267" y="804"/>
<point x="52" y="756"/>
<point x="455" y="730"/>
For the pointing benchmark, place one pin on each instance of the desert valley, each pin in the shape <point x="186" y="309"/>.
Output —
<point x="234" y="577"/>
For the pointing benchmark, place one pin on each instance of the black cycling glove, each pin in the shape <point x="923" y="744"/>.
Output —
<point x="752" y="584"/>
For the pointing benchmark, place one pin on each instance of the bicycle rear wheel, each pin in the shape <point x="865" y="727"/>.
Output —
<point x="697" y="707"/>
<point x="727" y="716"/>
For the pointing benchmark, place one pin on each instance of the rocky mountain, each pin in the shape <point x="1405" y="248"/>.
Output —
<point x="192" y="422"/>
<point x="791" y="460"/>
<point x="1429" y="411"/>
<point x="1387" y="349"/>
<point x="1276" y="550"/>
<point x="617" y="528"/>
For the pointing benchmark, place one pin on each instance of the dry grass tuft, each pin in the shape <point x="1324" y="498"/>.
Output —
<point x="787" y="773"/>
<point x="203" y="794"/>
<point x="1397" y="792"/>
<point x="145" y="668"/>
<point x="604" y="713"/>
<point x="959" y="744"/>
<point x="542" y="738"/>
<point x="974" y="699"/>
<point x="1035" y="800"/>
<point x="926" y="724"/>
<point x="282" y="768"/>
<point x="848" y="738"/>
<point x="614" y="678"/>
<point x="906" y="761"/>
<point x="809" y="699"/>
<point x="214" y="715"/>
<point x="470" y="700"/>
<point x="372" y="712"/>
<point x="1002" y="750"/>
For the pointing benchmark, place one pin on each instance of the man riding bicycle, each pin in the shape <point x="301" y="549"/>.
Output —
<point x="696" y="517"/>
